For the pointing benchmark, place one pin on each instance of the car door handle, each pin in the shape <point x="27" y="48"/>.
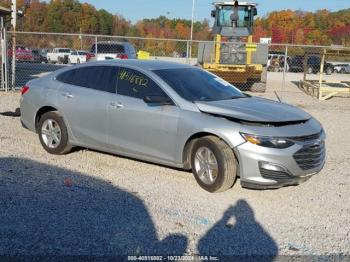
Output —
<point x="116" y="105"/>
<point x="67" y="95"/>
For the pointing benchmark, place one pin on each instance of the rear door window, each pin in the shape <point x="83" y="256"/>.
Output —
<point x="102" y="78"/>
<point x="135" y="84"/>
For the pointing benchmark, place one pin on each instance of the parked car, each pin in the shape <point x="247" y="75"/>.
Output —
<point x="341" y="68"/>
<point x="113" y="50"/>
<point x="39" y="56"/>
<point x="347" y="69"/>
<point x="275" y="63"/>
<point x="176" y="115"/>
<point x="23" y="54"/>
<point x="58" y="55"/>
<point x="313" y="65"/>
<point x="77" y="57"/>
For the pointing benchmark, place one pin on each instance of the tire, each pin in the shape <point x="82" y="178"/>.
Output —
<point x="275" y="69"/>
<point x="226" y="171"/>
<point x="329" y="71"/>
<point x="342" y="71"/>
<point x="59" y="146"/>
<point x="258" y="87"/>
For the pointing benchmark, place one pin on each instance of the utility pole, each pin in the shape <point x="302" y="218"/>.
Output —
<point x="191" y="36"/>
<point x="14" y="24"/>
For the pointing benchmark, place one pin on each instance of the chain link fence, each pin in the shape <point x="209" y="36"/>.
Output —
<point x="277" y="68"/>
<point x="320" y="71"/>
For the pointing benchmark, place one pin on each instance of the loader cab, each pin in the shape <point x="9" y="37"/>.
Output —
<point x="234" y="19"/>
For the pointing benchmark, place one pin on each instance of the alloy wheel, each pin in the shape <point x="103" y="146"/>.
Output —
<point x="206" y="165"/>
<point x="51" y="133"/>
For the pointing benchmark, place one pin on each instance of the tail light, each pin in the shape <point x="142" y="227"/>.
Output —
<point x="122" y="56"/>
<point x="24" y="90"/>
<point x="89" y="56"/>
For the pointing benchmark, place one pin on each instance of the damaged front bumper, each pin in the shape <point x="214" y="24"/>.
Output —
<point x="268" y="168"/>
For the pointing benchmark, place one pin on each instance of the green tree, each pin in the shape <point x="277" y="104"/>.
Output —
<point x="106" y="21"/>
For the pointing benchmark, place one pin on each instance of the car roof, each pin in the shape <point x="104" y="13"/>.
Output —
<point x="149" y="65"/>
<point x="113" y="43"/>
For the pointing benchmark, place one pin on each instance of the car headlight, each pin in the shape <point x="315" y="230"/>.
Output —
<point x="265" y="141"/>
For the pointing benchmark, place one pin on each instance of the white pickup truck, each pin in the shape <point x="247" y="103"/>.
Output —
<point x="58" y="55"/>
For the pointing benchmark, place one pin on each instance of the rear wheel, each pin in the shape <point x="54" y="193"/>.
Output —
<point x="329" y="71"/>
<point x="213" y="164"/>
<point x="53" y="134"/>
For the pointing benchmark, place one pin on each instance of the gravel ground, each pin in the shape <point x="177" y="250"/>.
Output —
<point x="91" y="203"/>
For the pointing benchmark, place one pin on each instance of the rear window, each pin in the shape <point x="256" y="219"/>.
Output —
<point x="64" y="50"/>
<point x="108" y="49"/>
<point x="102" y="78"/>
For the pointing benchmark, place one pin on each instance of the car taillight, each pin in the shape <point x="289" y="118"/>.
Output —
<point x="89" y="56"/>
<point x="24" y="90"/>
<point x="122" y="56"/>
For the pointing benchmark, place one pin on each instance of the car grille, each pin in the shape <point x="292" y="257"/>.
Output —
<point x="275" y="175"/>
<point x="306" y="138"/>
<point x="311" y="156"/>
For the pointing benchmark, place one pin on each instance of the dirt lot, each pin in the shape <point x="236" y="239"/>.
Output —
<point x="90" y="203"/>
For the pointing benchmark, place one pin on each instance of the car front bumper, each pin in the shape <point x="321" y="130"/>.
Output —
<point x="268" y="168"/>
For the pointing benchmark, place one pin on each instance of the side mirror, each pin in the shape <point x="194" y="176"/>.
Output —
<point x="255" y="12"/>
<point x="213" y="13"/>
<point x="156" y="99"/>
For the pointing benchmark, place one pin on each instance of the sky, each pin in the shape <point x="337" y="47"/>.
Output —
<point x="135" y="10"/>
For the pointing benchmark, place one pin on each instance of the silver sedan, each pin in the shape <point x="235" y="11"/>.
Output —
<point x="175" y="115"/>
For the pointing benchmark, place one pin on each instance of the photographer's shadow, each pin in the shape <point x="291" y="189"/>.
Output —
<point x="238" y="236"/>
<point x="46" y="210"/>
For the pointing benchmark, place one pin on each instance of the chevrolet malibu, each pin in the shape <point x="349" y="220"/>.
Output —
<point x="175" y="115"/>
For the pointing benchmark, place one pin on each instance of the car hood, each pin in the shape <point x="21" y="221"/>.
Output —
<point x="254" y="109"/>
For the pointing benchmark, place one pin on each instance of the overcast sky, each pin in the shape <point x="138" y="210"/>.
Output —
<point x="138" y="9"/>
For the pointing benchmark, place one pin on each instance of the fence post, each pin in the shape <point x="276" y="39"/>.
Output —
<point x="96" y="46"/>
<point x="13" y="73"/>
<point x="285" y="68"/>
<point x="187" y="52"/>
<point x="190" y="55"/>
<point x="323" y="58"/>
<point x="4" y="60"/>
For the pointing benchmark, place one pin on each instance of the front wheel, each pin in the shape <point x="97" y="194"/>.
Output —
<point x="213" y="164"/>
<point x="53" y="134"/>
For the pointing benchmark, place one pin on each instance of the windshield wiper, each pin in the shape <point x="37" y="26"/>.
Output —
<point x="236" y="97"/>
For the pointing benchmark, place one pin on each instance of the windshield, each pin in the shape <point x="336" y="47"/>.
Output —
<point x="194" y="84"/>
<point x="244" y="16"/>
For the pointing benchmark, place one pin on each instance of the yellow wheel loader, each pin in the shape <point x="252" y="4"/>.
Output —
<point x="233" y="56"/>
